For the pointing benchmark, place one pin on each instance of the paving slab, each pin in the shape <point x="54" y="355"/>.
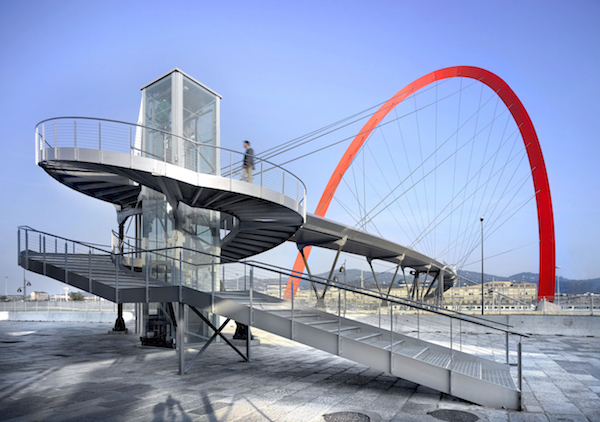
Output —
<point x="60" y="371"/>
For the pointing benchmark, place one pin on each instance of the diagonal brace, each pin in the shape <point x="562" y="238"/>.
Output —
<point x="218" y="332"/>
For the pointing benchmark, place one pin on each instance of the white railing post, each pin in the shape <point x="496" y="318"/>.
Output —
<point x="147" y="276"/>
<point x="26" y="249"/>
<point x="418" y="324"/>
<point x="66" y="265"/>
<point x="292" y="327"/>
<point x="339" y="321"/>
<point x="44" y="255"/>
<point x="520" y="374"/>
<point x="212" y="293"/>
<point x="75" y="133"/>
<point x="451" y="354"/>
<point x="117" y="263"/>
<point x="99" y="137"/>
<point x="250" y="321"/>
<point x="506" y="347"/>
<point x="18" y="246"/>
<point x="180" y="279"/>
<point x="391" y="338"/>
<point x="37" y="145"/>
<point x="90" y="270"/>
<point x="460" y="333"/>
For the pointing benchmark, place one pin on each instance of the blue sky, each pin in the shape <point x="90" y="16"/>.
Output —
<point x="285" y="69"/>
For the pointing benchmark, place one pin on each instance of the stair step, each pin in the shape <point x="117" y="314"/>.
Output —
<point x="412" y="351"/>
<point x="438" y="359"/>
<point x="367" y="336"/>
<point x="299" y="314"/>
<point x="360" y="336"/>
<point x="322" y="322"/>
<point x="499" y="376"/>
<point x="342" y="329"/>
<point x="470" y="368"/>
<point x="396" y="343"/>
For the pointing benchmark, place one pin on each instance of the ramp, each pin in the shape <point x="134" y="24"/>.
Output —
<point x="444" y="369"/>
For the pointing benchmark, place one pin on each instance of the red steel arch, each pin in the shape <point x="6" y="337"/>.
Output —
<point x="532" y="146"/>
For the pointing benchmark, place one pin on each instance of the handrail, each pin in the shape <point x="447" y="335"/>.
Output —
<point x="88" y="245"/>
<point x="322" y="281"/>
<point x="174" y="135"/>
<point x="405" y="301"/>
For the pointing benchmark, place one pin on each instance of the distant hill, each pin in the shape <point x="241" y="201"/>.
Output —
<point x="466" y="278"/>
<point x="566" y="285"/>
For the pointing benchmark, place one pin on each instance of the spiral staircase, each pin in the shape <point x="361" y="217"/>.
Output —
<point x="259" y="217"/>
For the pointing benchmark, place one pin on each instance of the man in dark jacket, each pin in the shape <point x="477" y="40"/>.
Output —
<point x="248" y="163"/>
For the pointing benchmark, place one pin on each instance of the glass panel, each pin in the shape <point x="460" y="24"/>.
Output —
<point x="158" y="106"/>
<point x="199" y="126"/>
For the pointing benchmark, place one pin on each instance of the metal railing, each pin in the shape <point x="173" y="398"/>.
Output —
<point x="185" y="267"/>
<point x="163" y="146"/>
<point x="96" y="305"/>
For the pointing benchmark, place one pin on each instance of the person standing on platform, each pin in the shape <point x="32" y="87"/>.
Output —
<point x="248" y="163"/>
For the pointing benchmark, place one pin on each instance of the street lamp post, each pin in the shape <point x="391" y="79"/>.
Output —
<point x="343" y="270"/>
<point x="558" y="284"/>
<point x="481" y="219"/>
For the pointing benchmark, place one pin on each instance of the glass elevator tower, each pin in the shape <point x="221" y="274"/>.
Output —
<point x="180" y="125"/>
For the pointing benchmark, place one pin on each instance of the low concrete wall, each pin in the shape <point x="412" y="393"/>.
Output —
<point x="546" y="325"/>
<point x="64" y="316"/>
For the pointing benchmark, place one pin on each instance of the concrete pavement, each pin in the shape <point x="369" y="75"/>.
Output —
<point x="59" y="371"/>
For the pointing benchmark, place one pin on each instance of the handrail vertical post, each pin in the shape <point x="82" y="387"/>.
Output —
<point x="450" y="333"/>
<point x="460" y="333"/>
<point x="180" y="278"/>
<point x="391" y="338"/>
<point x="118" y="262"/>
<point x="147" y="277"/>
<point x="212" y="293"/>
<point x="90" y="270"/>
<point x="451" y="354"/>
<point x="55" y="141"/>
<point x="38" y="144"/>
<point x="507" y="347"/>
<point x="292" y="327"/>
<point x="99" y="136"/>
<point x="26" y="249"/>
<point x="520" y="374"/>
<point x="250" y="321"/>
<point x="75" y="133"/>
<point x="418" y="324"/>
<point x="44" y="255"/>
<point x="251" y="295"/>
<point x="339" y="321"/>
<point x="66" y="266"/>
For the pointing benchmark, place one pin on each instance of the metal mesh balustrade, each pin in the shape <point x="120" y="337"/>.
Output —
<point x="128" y="138"/>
